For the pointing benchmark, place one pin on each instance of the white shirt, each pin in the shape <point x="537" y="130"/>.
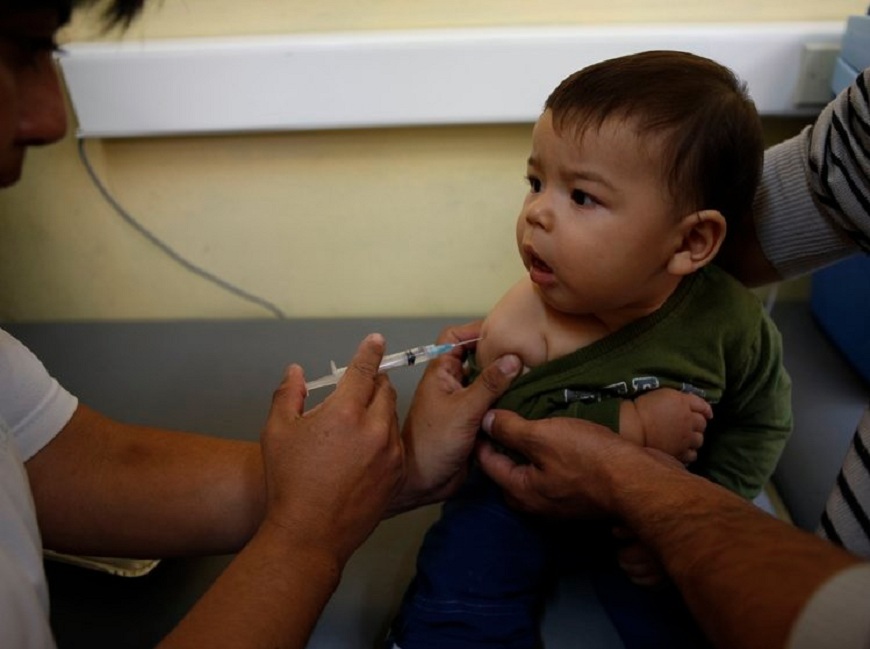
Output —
<point x="33" y="409"/>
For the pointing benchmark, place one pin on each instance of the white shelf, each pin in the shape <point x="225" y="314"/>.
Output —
<point x="383" y="79"/>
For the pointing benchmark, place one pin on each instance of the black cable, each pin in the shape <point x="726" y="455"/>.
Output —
<point x="161" y="245"/>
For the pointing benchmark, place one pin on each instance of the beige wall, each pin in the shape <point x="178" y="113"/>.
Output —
<point x="174" y="18"/>
<point x="341" y="223"/>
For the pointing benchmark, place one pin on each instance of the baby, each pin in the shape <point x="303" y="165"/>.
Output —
<point x="636" y="164"/>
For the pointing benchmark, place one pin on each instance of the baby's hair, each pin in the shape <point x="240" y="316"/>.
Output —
<point x="709" y="128"/>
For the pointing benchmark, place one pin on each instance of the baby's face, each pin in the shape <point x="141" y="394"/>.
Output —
<point x="597" y="229"/>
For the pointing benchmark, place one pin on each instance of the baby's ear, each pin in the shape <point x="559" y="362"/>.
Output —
<point x="702" y="234"/>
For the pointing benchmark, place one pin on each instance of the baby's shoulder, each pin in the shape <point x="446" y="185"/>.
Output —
<point x="515" y="325"/>
<point x="521" y="323"/>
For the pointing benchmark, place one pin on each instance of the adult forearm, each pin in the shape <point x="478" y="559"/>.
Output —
<point x="106" y="488"/>
<point x="745" y="575"/>
<point x="271" y="595"/>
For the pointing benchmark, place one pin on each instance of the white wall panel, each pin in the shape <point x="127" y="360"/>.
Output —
<point x="383" y="79"/>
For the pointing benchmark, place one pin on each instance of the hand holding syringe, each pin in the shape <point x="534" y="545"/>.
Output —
<point x="406" y="358"/>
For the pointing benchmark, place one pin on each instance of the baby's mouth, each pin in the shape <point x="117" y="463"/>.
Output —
<point x="539" y="271"/>
<point x="538" y="264"/>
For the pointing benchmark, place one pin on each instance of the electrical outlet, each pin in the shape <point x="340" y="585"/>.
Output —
<point x="816" y="70"/>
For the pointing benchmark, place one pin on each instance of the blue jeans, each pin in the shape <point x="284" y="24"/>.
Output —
<point x="484" y="570"/>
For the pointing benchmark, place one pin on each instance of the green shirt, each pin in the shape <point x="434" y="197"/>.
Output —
<point x="712" y="337"/>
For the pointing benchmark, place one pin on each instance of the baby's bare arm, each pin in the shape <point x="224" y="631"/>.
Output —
<point x="668" y="420"/>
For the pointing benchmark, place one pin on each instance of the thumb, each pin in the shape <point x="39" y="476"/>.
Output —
<point x="511" y="431"/>
<point x="492" y="382"/>
<point x="359" y="379"/>
<point x="500" y="468"/>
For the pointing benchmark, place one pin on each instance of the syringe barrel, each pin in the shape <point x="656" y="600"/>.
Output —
<point x="413" y="356"/>
<point x="406" y="358"/>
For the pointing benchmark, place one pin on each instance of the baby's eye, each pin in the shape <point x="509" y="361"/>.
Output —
<point x="582" y="198"/>
<point x="534" y="184"/>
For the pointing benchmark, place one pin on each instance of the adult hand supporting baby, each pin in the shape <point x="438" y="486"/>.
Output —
<point x="671" y="423"/>
<point x="711" y="542"/>
<point x="444" y="419"/>
<point x="575" y="467"/>
<point x="567" y="474"/>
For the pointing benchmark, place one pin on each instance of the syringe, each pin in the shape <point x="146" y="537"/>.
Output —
<point x="406" y="358"/>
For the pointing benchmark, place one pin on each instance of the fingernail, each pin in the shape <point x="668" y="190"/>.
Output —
<point x="486" y="424"/>
<point x="509" y="365"/>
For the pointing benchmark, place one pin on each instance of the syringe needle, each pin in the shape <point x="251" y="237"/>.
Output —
<point x="406" y="358"/>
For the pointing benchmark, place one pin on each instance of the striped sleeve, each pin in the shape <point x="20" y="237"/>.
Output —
<point x="846" y="519"/>
<point x="813" y="205"/>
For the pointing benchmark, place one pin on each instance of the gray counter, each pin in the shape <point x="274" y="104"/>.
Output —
<point x="217" y="377"/>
